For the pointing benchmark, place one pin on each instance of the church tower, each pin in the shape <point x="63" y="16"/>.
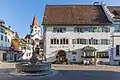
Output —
<point x="35" y="28"/>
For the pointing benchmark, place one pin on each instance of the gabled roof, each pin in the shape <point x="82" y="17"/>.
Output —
<point x="115" y="10"/>
<point x="27" y="36"/>
<point x="75" y="15"/>
<point x="35" y="22"/>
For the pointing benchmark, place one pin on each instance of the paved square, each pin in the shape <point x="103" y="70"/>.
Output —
<point x="68" y="72"/>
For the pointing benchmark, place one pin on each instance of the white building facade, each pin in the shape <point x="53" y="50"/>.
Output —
<point x="6" y="36"/>
<point x="115" y="36"/>
<point x="70" y="28"/>
<point x="33" y="35"/>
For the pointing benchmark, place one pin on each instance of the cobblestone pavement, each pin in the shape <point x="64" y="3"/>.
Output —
<point x="67" y="72"/>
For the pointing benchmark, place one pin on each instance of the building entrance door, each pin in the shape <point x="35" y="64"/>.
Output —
<point x="61" y="57"/>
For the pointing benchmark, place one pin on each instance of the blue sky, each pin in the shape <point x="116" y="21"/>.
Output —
<point x="19" y="13"/>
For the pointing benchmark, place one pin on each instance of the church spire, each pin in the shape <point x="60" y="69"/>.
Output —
<point x="35" y="22"/>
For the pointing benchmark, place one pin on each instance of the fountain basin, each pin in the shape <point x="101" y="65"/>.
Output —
<point x="30" y="68"/>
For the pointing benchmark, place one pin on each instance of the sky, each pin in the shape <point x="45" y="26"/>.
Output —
<point x="19" y="13"/>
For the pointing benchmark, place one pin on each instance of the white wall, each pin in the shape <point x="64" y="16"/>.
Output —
<point x="70" y="34"/>
<point x="116" y="41"/>
<point x="3" y="42"/>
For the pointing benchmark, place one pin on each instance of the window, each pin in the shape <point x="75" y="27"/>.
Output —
<point x="95" y="29"/>
<point x="67" y="41"/>
<point x="90" y="29"/>
<point x="59" y="41"/>
<point x="51" y="41"/>
<point x="94" y="41"/>
<point x="28" y="48"/>
<point x="90" y="41"/>
<point x="79" y="41"/>
<point x="117" y="28"/>
<point x="28" y="41"/>
<point x="54" y="29"/>
<point x="54" y="41"/>
<point x="2" y="37"/>
<point x="77" y="29"/>
<point x="102" y="55"/>
<point x="105" y="29"/>
<point x="105" y="41"/>
<point x="2" y="31"/>
<point x="64" y="41"/>
<point x="74" y="59"/>
<point x="74" y="53"/>
<point x="117" y="50"/>
<point x="73" y="41"/>
<point x="59" y="30"/>
<point x="83" y="41"/>
<point x="99" y="29"/>
<point x="6" y="38"/>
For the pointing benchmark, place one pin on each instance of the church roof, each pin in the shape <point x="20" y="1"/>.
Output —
<point x="35" y="22"/>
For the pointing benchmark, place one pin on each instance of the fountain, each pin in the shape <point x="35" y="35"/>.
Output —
<point x="33" y="67"/>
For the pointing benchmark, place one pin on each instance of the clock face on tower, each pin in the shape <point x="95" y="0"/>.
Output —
<point x="35" y="27"/>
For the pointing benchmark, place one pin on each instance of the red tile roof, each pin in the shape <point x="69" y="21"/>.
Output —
<point x="35" y="22"/>
<point x="74" y="15"/>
